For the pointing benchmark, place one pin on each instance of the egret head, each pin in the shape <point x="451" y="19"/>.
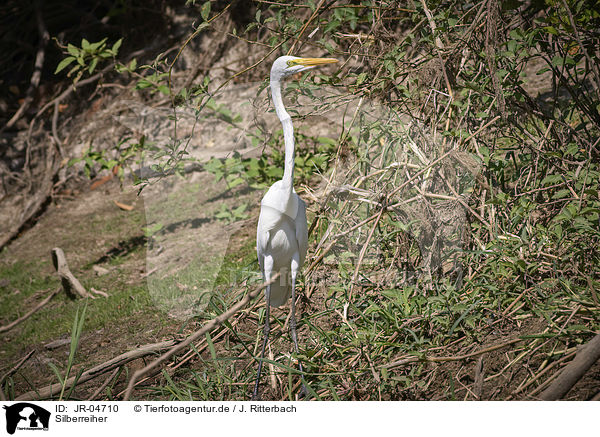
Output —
<point x="285" y="66"/>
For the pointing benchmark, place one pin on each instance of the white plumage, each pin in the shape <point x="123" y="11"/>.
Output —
<point x="282" y="236"/>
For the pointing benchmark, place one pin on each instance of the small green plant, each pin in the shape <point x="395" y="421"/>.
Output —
<point x="222" y="112"/>
<point x="151" y="230"/>
<point x="155" y="82"/>
<point x="88" y="56"/>
<point x="261" y="172"/>
<point x="232" y="215"/>
<point x="127" y="152"/>
<point x="92" y="159"/>
<point x="76" y="332"/>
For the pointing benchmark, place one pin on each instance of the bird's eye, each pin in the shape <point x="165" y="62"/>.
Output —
<point x="290" y="63"/>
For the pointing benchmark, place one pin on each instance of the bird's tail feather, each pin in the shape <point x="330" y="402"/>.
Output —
<point x="281" y="291"/>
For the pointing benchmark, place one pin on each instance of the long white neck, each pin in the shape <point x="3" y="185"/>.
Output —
<point x="288" y="135"/>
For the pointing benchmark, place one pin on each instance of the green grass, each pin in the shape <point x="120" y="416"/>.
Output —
<point x="56" y="318"/>
<point x="186" y="291"/>
<point x="120" y="222"/>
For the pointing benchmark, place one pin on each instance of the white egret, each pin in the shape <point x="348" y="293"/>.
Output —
<point x="282" y="233"/>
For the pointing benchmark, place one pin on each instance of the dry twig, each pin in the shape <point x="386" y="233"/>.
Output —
<point x="53" y="389"/>
<point x="104" y="384"/>
<point x="12" y="371"/>
<point x="37" y="68"/>
<point x="414" y="359"/>
<point x="212" y="324"/>
<point x="574" y="371"/>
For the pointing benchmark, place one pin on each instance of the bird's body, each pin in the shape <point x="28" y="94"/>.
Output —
<point x="281" y="236"/>
<point x="282" y="232"/>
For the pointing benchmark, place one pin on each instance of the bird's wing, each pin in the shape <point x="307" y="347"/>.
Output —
<point x="302" y="230"/>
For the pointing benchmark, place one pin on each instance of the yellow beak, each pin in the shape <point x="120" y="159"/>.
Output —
<point x="311" y="62"/>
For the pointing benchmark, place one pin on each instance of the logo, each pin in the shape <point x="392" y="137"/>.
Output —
<point x="26" y="416"/>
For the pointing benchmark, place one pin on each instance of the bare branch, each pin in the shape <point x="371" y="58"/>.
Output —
<point x="53" y="389"/>
<point x="574" y="371"/>
<point x="70" y="283"/>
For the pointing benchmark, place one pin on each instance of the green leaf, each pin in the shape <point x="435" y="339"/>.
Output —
<point x="163" y="89"/>
<point x="552" y="179"/>
<point x="56" y="372"/>
<point x="557" y="61"/>
<point x="85" y="44"/>
<point x="558" y="231"/>
<point x="234" y="181"/>
<point x="205" y="11"/>
<point x="97" y="45"/>
<point x="211" y="346"/>
<point x="240" y="209"/>
<point x="327" y="141"/>
<point x="64" y="63"/>
<point x="141" y="84"/>
<point x="511" y="45"/>
<point x="132" y="65"/>
<point x="73" y="50"/>
<point x="92" y="65"/>
<point x="116" y="46"/>
<point x="542" y="70"/>
<point x="361" y="78"/>
<point x="561" y="194"/>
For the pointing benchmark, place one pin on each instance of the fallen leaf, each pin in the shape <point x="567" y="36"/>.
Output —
<point x="101" y="181"/>
<point x="123" y="206"/>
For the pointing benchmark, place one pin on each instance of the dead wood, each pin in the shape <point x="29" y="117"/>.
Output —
<point x="70" y="283"/>
<point x="434" y="359"/>
<point x="98" y="292"/>
<point x="212" y="324"/>
<point x="574" y="371"/>
<point x="491" y="41"/>
<point x="36" y="201"/>
<point x="37" y="68"/>
<point x="12" y="371"/>
<point x="104" y="384"/>
<point x="32" y="311"/>
<point x="53" y="389"/>
<point x="479" y="378"/>
<point x="57" y="343"/>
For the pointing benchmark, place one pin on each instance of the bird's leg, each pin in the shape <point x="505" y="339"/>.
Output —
<point x="265" y="341"/>
<point x="294" y="335"/>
